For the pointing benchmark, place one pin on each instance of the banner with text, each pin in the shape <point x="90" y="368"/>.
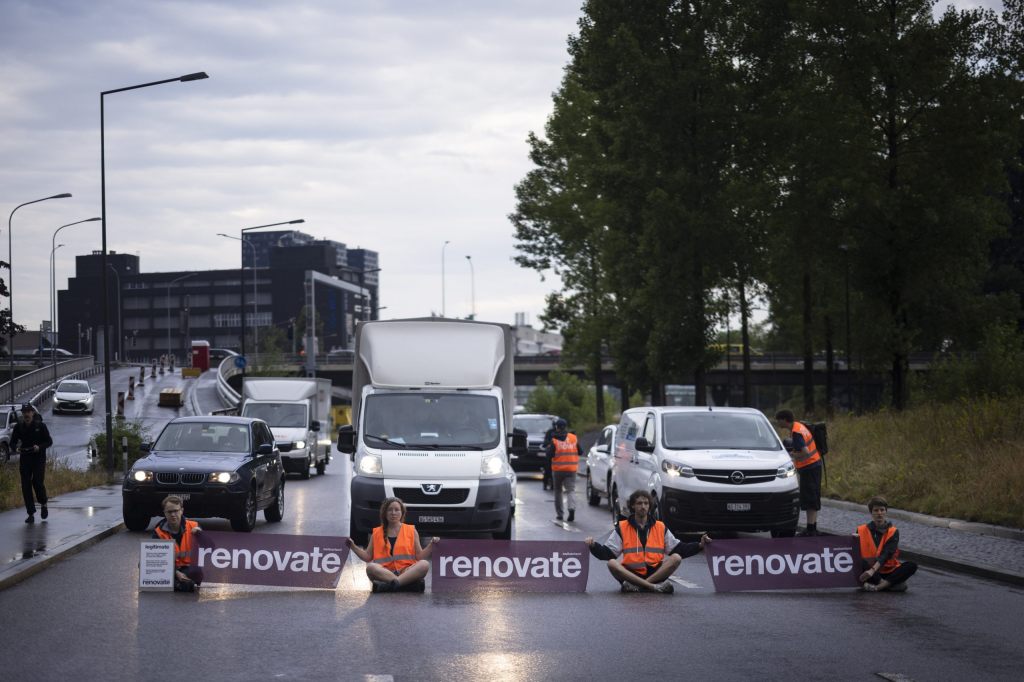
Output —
<point x="784" y="563"/>
<point x="522" y="566"/>
<point x="311" y="561"/>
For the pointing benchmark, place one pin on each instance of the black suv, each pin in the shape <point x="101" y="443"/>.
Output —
<point x="222" y="466"/>
<point x="538" y="428"/>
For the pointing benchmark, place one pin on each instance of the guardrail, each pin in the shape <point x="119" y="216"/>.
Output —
<point x="228" y="396"/>
<point x="43" y="377"/>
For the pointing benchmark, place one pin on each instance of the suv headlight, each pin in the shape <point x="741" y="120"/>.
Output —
<point x="491" y="465"/>
<point x="142" y="476"/>
<point x="223" y="477"/>
<point x="787" y="470"/>
<point x="299" y="444"/>
<point x="673" y="469"/>
<point x="370" y="465"/>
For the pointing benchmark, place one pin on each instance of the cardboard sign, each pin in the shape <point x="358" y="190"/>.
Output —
<point x="309" y="561"/>
<point x="784" y="563"/>
<point x="156" y="566"/>
<point x="522" y="566"/>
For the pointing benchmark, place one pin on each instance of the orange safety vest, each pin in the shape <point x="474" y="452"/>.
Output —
<point x="639" y="558"/>
<point x="405" y="548"/>
<point x="567" y="454"/>
<point x="183" y="555"/>
<point x="870" y="553"/>
<point x="808" y="443"/>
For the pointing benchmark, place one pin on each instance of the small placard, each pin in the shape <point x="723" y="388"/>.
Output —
<point x="156" y="566"/>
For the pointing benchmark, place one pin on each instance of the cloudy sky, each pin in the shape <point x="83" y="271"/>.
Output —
<point x="390" y="125"/>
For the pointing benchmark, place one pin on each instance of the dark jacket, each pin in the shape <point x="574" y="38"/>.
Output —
<point x="26" y="435"/>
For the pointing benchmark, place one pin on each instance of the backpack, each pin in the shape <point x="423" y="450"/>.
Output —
<point x="819" y="432"/>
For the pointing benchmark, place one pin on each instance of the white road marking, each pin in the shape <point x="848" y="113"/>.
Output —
<point x="685" y="583"/>
<point x="379" y="678"/>
<point x="895" y="677"/>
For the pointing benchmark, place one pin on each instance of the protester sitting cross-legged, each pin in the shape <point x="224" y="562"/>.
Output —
<point x="395" y="560"/>
<point x="880" y="551"/>
<point x="649" y="551"/>
<point x="175" y="526"/>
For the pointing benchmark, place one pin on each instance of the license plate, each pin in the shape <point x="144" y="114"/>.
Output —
<point x="431" y="519"/>
<point x="737" y="506"/>
<point x="184" y="496"/>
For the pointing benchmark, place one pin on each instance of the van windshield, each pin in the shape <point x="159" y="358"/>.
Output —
<point x="430" y="421"/>
<point x="281" y="415"/>
<point x="718" y="431"/>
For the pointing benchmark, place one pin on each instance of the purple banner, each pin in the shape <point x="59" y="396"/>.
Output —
<point x="523" y="566"/>
<point x="784" y="564"/>
<point x="311" y="561"/>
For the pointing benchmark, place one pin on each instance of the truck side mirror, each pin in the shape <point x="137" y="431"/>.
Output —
<point x="314" y="425"/>
<point x="643" y="445"/>
<point x="347" y="439"/>
<point x="518" y="442"/>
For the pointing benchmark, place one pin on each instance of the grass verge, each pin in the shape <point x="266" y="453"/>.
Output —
<point x="60" y="479"/>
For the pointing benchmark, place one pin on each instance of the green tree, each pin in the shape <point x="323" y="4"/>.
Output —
<point x="7" y="325"/>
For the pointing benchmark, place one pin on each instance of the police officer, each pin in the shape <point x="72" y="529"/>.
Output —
<point x="564" y="453"/>
<point x="30" y="438"/>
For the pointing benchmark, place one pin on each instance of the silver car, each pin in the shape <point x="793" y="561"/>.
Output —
<point x="73" y="395"/>
<point x="598" y="465"/>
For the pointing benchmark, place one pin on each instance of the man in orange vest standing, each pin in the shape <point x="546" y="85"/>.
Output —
<point x="564" y="453"/>
<point x="649" y="551"/>
<point x="175" y="526"/>
<point x="880" y="551"/>
<point x="807" y="461"/>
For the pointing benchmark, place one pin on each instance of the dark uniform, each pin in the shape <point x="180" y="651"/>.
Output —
<point x="30" y="441"/>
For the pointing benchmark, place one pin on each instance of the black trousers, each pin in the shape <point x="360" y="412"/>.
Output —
<point x="33" y="470"/>
<point x="901" y="574"/>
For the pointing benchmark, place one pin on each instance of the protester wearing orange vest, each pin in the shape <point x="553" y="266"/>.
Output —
<point x="880" y="551"/>
<point x="564" y="453"/>
<point x="649" y="551"/>
<point x="175" y="526"/>
<point x="807" y="460"/>
<point x="394" y="558"/>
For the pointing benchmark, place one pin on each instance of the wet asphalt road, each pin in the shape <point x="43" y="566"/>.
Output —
<point x="83" y="618"/>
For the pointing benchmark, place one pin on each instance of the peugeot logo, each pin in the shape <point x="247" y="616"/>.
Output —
<point x="430" y="488"/>
<point x="737" y="477"/>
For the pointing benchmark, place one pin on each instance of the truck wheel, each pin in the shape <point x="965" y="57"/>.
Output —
<point x="304" y="472"/>
<point x="321" y="467"/>
<point x="133" y="520"/>
<point x="358" y="536"/>
<point x="593" y="497"/>
<point x="505" y="534"/>
<point x="275" y="512"/>
<point x="246" y="519"/>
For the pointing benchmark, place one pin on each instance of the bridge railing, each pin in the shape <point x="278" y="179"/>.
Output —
<point x="42" y="378"/>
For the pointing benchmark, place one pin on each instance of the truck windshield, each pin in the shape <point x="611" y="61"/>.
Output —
<point x="200" y="437"/>
<point x="431" y="420"/>
<point x="283" y="415"/>
<point x="718" y="431"/>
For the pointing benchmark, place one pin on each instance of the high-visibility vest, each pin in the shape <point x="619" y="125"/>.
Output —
<point x="808" y="443"/>
<point x="405" y="548"/>
<point x="567" y="454"/>
<point x="183" y="550"/>
<point x="870" y="553"/>
<point x="637" y="557"/>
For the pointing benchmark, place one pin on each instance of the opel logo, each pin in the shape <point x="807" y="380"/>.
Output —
<point x="737" y="477"/>
<point x="430" y="488"/>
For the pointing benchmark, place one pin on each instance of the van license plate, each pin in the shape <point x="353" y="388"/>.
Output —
<point x="431" y="519"/>
<point x="737" y="506"/>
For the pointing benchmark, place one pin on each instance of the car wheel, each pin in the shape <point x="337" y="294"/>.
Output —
<point x="246" y="519"/>
<point x="593" y="497"/>
<point x="5" y="453"/>
<point x="133" y="520"/>
<point x="506" y="533"/>
<point x="321" y="467"/>
<point x="275" y="512"/>
<point x="304" y="471"/>
<point x="357" y="536"/>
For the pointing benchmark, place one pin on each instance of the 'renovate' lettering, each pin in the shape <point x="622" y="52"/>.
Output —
<point x="829" y="560"/>
<point x="265" y="560"/>
<point x="554" y="566"/>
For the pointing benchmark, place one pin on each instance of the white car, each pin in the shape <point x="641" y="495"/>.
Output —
<point x="73" y="395"/>
<point x="598" y="466"/>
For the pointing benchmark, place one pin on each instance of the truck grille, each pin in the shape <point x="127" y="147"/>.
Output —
<point x="446" y="496"/>
<point x="744" y="477"/>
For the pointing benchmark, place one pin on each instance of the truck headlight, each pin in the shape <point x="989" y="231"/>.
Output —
<point x="370" y="465"/>
<point x="223" y="477"/>
<point x="142" y="476"/>
<point x="491" y="465"/>
<point x="787" y="470"/>
<point x="673" y="469"/>
<point x="299" y="444"/>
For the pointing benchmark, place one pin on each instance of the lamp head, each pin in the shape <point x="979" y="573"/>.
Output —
<point x="65" y="195"/>
<point x="198" y="76"/>
<point x="296" y="222"/>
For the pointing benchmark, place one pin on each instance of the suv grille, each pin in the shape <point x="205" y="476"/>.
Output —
<point x="446" y="496"/>
<point x="746" y="476"/>
<point x="188" y="478"/>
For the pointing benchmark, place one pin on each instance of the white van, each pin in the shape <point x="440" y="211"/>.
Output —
<point x="708" y="468"/>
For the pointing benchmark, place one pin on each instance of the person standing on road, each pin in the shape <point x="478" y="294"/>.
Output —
<point x="642" y="542"/>
<point x="564" y="453"/>
<point x="176" y="527"/>
<point x="807" y="460"/>
<point x="395" y="560"/>
<point x="30" y="438"/>
<point x="880" y="551"/>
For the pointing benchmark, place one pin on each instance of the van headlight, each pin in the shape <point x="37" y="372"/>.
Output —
<point x="787" y="470"/>
<point x="370" y="465"/>
<point x="299" y="444"/>
<point x="491" y="465"/>
<point x="673" y="469"/>
<point x="223" y="477"/>
<point x="142" y="476"/>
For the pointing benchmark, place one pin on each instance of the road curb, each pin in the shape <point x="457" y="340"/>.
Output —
<point x="935" y="521"/>
<point x="16" y="573"/>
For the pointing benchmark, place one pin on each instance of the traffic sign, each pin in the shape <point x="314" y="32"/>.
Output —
<point x="240" y="361"/>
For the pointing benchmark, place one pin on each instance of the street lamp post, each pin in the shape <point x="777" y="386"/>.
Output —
<point x="846" y="261"/>
<point x="120" y="333"/>
<point x="103" y="252"/>
<point x="472" y="288"/>
<point x="10" y="282"/>
<point x="446" y="243"/>
<point x="53" y="354"/>
<point x="168" y="287"/>
<point x="53" y="290"/>
<point x="255" y="307"/>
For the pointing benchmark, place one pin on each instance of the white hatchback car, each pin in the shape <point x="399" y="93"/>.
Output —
<point x="598" y="466"/>
<point x="73" y="395"/>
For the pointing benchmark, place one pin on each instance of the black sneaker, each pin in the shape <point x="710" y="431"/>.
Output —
<point x="377" y="586"/>
<point x="31" y="518"/>
<point x="44" y="512"/>
<point x="572" y="515"/>
<point x="558" y="517"/>
<point x="629" y="587"/>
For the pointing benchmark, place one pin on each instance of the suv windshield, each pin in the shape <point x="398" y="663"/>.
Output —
<point x="431" y="420"/>
<point x="534" y="426"/>
<point x="718" y="431"/>
<point x="73" y="387"/>
<point x="282" y="415"/>
<point x="204" y="437"/>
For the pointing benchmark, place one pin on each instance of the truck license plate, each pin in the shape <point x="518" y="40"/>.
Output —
<point x="431" y="519"/>
<point x="737" y="506"/>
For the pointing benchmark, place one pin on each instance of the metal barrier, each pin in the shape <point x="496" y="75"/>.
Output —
<point x="43" y="377"/>
<point x="228" y="396"/>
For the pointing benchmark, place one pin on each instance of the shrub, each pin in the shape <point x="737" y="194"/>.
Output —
<point x="136" y="433"/>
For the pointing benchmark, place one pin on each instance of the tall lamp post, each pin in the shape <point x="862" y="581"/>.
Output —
<point x="168" y="287"/>
<point x="53" y="289"/>
<point x="446" y="243"/>
<point x="199" y="75"/>
<point x="10" y="282"/>
<point x="255" y="307"/>
<point x="53" y="355"/>
<point x="472" y="288"/>
<point x="120" y="331"/>
<point x="241" y="288"/>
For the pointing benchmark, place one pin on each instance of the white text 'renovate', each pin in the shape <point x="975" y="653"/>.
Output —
<point x="829" y="560"/>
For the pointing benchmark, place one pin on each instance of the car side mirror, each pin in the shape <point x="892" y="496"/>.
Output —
<point x="603" y="449"/>
<point x="314" y="425"/>
<point x="94" y="391"/>
<point x="643" y="445"/>
<point x="265" y="449"/>
<point x="518" y="442"/>
<point x="145" y="447"/>
<point x="347" y="439"/>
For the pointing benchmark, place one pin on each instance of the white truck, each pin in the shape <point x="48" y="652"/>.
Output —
<point x="298" y="411"/>
<point x="432" y="407"/>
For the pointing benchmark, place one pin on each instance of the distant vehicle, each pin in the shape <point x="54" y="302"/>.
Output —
<point x="298" y="411"/>
<point x="221" y="466"/>
<point x="599" y="466"/>
<point x="537" y="427"/>
<point x="73" y="395"/>
<point x="217" y="355"/>
<point x="8" y="418"/>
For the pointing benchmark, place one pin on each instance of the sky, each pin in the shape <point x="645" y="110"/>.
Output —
<point x="389" y="125"/>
